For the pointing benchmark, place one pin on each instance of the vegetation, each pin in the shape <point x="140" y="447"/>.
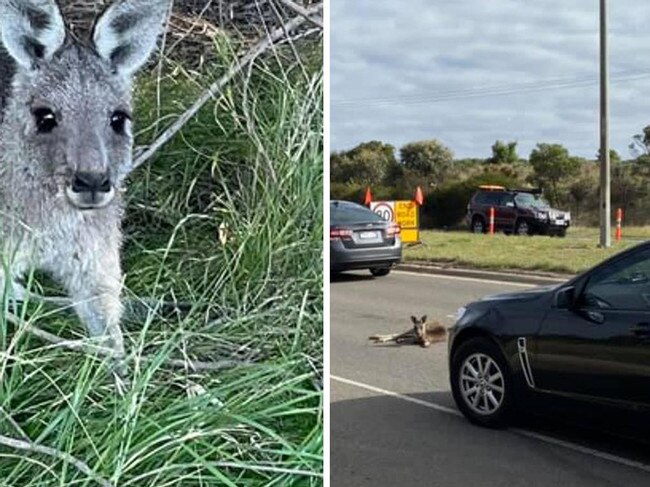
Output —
<point x="569" y="182"/>
<point x="226" y="222"/>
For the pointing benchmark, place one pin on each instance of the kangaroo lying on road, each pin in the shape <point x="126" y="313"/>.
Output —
<point x="423" y="333"/>
<point x="65" y="149"/>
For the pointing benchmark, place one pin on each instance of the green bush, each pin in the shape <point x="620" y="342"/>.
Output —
<point x="356" y="192"/>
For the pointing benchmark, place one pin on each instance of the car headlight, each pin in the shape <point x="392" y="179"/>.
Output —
<point x="460" y="312"/>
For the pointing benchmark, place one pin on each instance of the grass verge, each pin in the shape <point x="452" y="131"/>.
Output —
<point x="575" y="253"/>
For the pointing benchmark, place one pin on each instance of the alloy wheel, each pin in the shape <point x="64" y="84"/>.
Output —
<point x="522" y="229"/>
<point x="481" y="384"/>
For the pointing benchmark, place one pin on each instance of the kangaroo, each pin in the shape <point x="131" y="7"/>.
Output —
<point x="66" y="148"/>
<point x="423" y="333"/>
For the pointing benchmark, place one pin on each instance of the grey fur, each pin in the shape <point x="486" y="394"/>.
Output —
<point x="42" y="223"/>
<point x="7" y="70"/>
<point x="37" y="18"/>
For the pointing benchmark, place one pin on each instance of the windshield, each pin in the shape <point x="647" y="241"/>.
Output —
<point x="529" y="200"/>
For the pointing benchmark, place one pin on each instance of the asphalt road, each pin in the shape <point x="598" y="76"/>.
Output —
<point x="394" y="423"/>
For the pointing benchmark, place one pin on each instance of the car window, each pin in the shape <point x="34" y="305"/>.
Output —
<point x="530" y="200"/>
<point x="493" y="199"/>
<point x="624" y="285"/>
<point x="342" y="213"/>
<point x="479" y="199"/>
<point x="507" y="198"/>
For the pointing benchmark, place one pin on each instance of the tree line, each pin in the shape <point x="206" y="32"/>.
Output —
<point x="568" y="181"/>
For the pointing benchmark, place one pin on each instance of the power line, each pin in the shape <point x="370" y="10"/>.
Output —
<point x="502" y="90"/>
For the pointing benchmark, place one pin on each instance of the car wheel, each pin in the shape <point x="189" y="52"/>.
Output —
<point x="481" y="383"/>
<point x="562" y="233"/>
<point x="478" y="225"/>
<point x="522" y="228"/>
<point x="380" y="271"/>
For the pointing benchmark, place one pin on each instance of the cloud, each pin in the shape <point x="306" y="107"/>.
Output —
<point x="471" y="72"/>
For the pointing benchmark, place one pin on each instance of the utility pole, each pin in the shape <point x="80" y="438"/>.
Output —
<point x="605" y="176"/>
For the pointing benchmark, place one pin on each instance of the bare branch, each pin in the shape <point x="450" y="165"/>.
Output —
<point x="215" y="88"/>
<point x="75" y="345"/>
<point x="31" y="447"/>
<point x="89" y="348"/>
<point x="200" y="366"/>
<point x="308" y="14"/>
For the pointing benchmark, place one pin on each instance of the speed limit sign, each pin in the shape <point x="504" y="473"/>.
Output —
<point x="385" y="209"/>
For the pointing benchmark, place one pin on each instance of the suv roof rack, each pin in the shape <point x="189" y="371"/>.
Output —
<point x="496" y="187"/>
<point x="526" y="190"/>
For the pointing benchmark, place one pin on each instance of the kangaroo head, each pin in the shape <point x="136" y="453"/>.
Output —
<point x="420" y="329"/>
<point x="69" y="110"/>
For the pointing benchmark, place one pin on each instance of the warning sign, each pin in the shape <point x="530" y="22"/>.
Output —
<point x="404" y="213"/>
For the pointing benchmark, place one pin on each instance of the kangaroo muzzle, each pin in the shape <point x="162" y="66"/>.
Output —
<point x="90" y="190"/>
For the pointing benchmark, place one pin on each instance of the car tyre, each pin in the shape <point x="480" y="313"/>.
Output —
<point x="562" y="233"/>
<point x="380" y="271"/>
<point x="484" y="395"/>
<point x="478" y="225"/>
<point x="522" y="228"/>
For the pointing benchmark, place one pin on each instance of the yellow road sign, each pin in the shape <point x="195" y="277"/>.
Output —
<point x="405" y="213"/>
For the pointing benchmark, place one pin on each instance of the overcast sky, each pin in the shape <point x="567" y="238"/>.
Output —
<point x="469" y="72"/>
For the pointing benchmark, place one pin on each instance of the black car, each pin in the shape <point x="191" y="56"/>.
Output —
<point x="586" y="340"/>
<point x="361" y="239"/>
<point x="517" y="211"/>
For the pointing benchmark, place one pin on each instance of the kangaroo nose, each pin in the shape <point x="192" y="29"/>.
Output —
<point x="91" y="182"/>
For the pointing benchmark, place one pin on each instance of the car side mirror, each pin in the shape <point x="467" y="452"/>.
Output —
<point x="565" y="298"/>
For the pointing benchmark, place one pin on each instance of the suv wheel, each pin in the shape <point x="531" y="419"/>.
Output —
<point x="481" y="383"/>
<point x="522" y="228"/>
<point x="478" y="225"/>
<point x="380" y="271"/>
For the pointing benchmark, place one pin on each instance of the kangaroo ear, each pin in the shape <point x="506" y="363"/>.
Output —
<point x="424" y="319"/>
<point x="414" y="320"/>
<point x="125" y="34"/>
<point x="31" y="30"/>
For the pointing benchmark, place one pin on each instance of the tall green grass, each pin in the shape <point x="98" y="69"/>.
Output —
<point x="250" y="163"/>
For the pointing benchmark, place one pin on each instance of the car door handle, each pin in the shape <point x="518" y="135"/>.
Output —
<point x="594" y="316"/>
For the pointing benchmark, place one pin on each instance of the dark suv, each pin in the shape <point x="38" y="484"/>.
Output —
<point x="518" y="211"/>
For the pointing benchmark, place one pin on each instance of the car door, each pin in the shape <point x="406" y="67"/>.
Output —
<point x="507" y="213"/>
<point x="600" y="347"/>
<point x="491" y="201"/>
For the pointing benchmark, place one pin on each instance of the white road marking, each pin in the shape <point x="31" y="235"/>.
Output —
<point x="472" y="279"/>
<point x="521" y="432"/>
<point x="419" y="402"/>
<point x="582" y="449"/>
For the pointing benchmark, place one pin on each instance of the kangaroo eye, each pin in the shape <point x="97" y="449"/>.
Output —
<point x="118" y="121"/>
<point x="45" y="120"/>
